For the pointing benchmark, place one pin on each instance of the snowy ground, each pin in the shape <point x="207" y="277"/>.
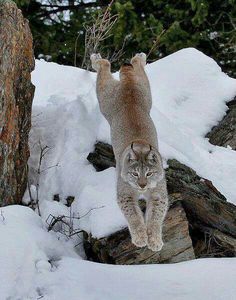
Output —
<point x="189" y="95"/>
<point x="36" y="265"/>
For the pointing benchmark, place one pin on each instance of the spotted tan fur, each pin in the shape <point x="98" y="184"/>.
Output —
<point x="126" y="104"/>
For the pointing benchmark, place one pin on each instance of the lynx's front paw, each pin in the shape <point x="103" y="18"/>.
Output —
<point x="139" y="237"/>
<point x="154" y="242"/>
<point x="95" y="58"/>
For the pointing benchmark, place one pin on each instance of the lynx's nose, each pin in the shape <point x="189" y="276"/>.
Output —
<point x="142" y="185"/>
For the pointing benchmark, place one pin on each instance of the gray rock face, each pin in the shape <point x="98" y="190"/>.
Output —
<point x="224" y="133"/>
<point x="199" y="223"/>
<point x="16" y="95"/>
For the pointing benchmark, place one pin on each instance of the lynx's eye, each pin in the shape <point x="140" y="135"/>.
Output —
<point x="135" y="174"/>
<point x="149" y="174"/>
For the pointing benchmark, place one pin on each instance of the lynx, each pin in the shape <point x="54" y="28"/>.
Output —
<point x="126" y="104"/>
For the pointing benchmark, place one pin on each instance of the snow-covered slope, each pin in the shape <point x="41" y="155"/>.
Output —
<point x="36" y="265"/>
<point x="189" y="94"/>
<point x="27" y="252"/>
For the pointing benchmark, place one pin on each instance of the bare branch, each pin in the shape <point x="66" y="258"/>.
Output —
<point x="156" y="43"/>
<point x="66" y="223"/>
<point x="96" y="33"/>
<point x="2" y="216"/>
<point x="118" y="53"/>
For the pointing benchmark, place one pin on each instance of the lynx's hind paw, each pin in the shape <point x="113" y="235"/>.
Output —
<point x="142" y="57"/>
<point x="95" y="58"/>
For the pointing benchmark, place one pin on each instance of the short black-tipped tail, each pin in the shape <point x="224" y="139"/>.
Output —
<point x="127" y="64"/>
<point x="126" y="67"/>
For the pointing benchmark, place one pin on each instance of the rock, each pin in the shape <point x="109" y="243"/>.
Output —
<point x="16" y="95"/>
<point x="102" y="157"/>
<point x="210" y="222"/>
<point x="224" y="133"/>
<point x="202" y="202"/>
<point x="118" y="249"/>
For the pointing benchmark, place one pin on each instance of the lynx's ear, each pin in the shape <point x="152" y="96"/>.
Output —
<point x="131" y="155"/>
<point x="153" y="156"/>
<point x="132" y="147"/>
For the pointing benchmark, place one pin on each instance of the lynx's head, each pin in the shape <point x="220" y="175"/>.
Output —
<point x="141" y="166"/>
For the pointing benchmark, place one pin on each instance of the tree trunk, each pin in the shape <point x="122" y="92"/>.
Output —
<point x="16" y="95"/>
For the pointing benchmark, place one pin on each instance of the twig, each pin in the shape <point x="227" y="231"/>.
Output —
<point x="75" y="55"/>
<point x="3" y="218"/>
<point x="48" y="168"/>
<point x="43" y="152"/>
<point x="156" y="43"/>
<point x="90" y="211"/>
<point x="118" y="53"/>
<point x="28" y="186"/>
<point x="98" y="32"/>
<point x="68" y="221"/>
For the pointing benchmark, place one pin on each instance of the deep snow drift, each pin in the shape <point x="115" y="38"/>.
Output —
<point x="189" y="95"/>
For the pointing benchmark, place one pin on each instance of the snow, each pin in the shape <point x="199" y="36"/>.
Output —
<point x="26" y="249"/>
<point x="164" y="282"/>
<point x="35" y="264"/>
<point x="189" y="97"/>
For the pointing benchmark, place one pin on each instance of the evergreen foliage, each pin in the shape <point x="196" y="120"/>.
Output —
<point x="207" y="25"/>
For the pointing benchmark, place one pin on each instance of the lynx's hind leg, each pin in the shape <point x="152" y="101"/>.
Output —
<point x="106" y="85"/>
<point x="139" y="62"/>
<point x="103" y="67"/>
